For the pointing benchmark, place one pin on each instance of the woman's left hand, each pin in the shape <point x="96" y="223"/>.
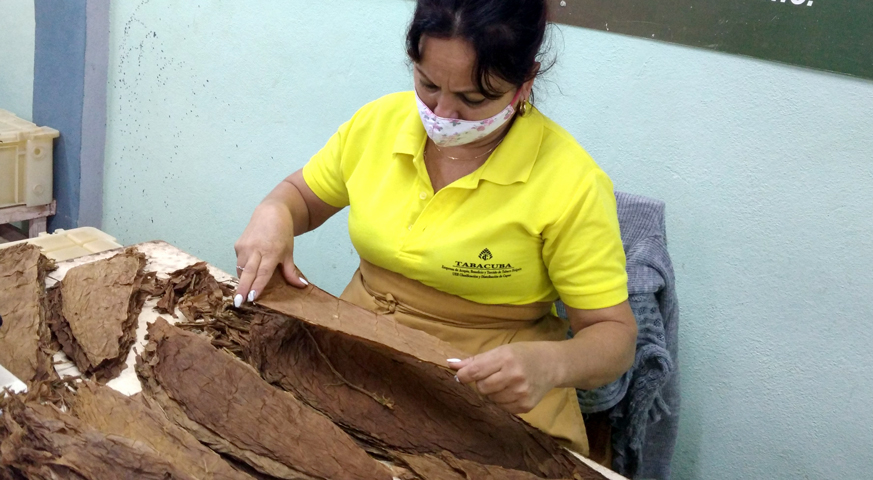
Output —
<point x="515" y="376"/>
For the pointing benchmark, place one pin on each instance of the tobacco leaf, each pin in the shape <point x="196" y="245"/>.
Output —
<point x="393" y="401"/>
<point x="94" y="312"/>
<point x="194" y="290"/>
<point x="112" y="413"/>
<point x="445" y="466"/>
<point x="226" y="405"/>
<point x="201" y="298"/>
<point x="56" y="392"/>
<point x="317" y="307"/>
<point x="226" y="330"/>
<point x="25" y="339"/>
<point x="7" y="473"/>
<point x="41" y="442"/>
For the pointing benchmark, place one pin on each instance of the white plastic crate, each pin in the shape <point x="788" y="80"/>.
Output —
<point x="25" y="162"/>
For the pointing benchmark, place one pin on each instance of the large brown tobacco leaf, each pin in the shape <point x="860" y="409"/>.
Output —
<point x="24" y="335"/>
<point x="112" y="413"/>
<point x="40" y="442"/>
<point x="226" y="405"/>
<point x="94" y="312"/>
<point x="394" y="402"/>
<point x="317" y="307"/>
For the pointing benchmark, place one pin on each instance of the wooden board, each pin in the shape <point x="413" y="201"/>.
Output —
<point x="832" y="35"/>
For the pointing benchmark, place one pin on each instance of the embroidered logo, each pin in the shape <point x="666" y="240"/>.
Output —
<point x="481" y="271"/>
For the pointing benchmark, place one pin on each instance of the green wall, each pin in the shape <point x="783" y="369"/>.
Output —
<point x="766" y="171"/>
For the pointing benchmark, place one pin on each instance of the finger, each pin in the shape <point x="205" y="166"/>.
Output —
<point x="249" y="273"/>
<point x="292" y="274"/>
<point x="506" y="396"/>
<point x="263" y="274"/>
<point x="481" y="366"/>
<point x="493" y="384"/>
<point x="514" y="407"/>
<point x="457" y="363"/>
<point x="241" y="260"/>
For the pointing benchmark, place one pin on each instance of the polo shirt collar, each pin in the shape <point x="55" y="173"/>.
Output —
<point x="410" y="138"/>
<point x="514" y="158"/>
<point x="511" y="162"/>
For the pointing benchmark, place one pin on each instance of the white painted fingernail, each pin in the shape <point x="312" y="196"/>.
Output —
<point x="252" y="296"/>
<point x="304" y="281"/>
<point x="237" y="300"/>
<point x="457" y="379"/>
<point x="453" y="360"/>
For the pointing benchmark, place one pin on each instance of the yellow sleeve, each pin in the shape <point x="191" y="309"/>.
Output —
<point x="582" y="250"/>
<point x="324" y="171"/>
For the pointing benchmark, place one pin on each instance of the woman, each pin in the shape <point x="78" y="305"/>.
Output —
<point x="472" y="213"/>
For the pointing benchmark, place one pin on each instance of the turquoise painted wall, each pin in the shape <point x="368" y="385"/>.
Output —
<point x="766" y="171"/>
<point x="16" y="57"/>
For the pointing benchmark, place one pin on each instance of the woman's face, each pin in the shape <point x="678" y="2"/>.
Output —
<point x="444" y="81"/>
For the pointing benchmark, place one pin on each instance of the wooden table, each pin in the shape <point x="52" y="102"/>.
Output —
<point x="36" y="218"/>
<point x="164" y="258"/>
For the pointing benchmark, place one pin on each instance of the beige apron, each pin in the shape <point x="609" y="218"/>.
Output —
<point x="474" y="328"/>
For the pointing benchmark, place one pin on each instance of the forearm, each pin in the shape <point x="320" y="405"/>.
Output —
<point x="287" y="196"/>
<point x="597" y="355"/>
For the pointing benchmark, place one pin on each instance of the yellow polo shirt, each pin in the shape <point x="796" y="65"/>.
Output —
<point x="536" y="222"/>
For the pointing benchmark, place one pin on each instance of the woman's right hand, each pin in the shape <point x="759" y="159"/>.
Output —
<point x="267" y="242"/>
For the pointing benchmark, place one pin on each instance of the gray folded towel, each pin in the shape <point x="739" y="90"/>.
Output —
<point x="644" y="401"/>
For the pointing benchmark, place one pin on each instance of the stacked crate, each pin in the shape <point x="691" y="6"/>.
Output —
<point x="25" y="172"/>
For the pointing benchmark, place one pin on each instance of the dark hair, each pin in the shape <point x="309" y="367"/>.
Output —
<point x="506" y="35"/>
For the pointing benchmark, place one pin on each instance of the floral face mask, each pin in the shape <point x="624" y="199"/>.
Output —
<point x="453" y="132"/>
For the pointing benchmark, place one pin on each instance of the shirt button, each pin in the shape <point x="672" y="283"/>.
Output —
<point x="423" y="196"/>
<point x="409" y="227"/>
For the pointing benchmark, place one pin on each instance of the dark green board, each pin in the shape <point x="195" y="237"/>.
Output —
<point x="833" y="35"/>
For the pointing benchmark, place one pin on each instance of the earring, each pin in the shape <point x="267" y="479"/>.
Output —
<point x="522" y="109"/>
